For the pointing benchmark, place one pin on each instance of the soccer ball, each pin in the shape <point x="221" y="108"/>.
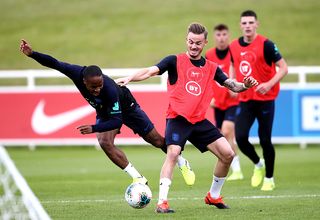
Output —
<point x="138" y="195"/>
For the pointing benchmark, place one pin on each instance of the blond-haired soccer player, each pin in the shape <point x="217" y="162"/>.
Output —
<point x="190" y="86"/>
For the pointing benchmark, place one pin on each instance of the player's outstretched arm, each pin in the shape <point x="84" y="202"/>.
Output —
<point x="235" y="86"/>
<point x="70" y="70"/>
<point x="141" y="75"/>
<point x="25" y="47"/>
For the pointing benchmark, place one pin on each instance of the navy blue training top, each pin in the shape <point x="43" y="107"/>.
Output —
<point x="107" y="104"/>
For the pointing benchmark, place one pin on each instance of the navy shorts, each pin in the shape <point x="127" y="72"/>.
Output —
<point x="137" y="120"/>
<point x="200" y="134"/>
<point x="229" y="115"/>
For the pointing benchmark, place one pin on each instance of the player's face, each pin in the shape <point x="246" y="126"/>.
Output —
<point x="221" y="39"/>
<point x="94" y="84"/>
<point x="195" y="44"/>
<point x="248" y="25"/>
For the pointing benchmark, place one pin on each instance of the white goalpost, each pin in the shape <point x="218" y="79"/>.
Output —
<point x="17" y="201"/>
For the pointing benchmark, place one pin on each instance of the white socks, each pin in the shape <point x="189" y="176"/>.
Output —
<point x="235" y="165"/>
<point x="132" y="171"/>
<point x="164" y="189"/>
<point x="260" y="163"/>
<point x="268" y="180"/>
<point x="165" y="183"/>
<point x="216" y="186"/>
<point x="181" y="161"/>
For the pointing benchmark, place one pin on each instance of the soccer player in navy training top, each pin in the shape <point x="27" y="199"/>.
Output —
<point x="114" y="106"/>
<point x="190" y="86"/>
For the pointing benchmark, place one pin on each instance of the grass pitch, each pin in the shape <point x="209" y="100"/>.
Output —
<point x="138" y="33"/>
<point x="81" y="183"/>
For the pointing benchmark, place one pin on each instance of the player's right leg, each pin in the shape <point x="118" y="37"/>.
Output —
<point x="177" y="132"/>
<point x="154" y="138"/>
<point x="166" y="178"/>
<point x="243" y="123"/>
<point x="222" y="149"/>
<point x="106" y="141"/>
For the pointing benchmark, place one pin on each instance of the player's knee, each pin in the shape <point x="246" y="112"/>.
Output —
<point x="173" y="152"/>
<point x="228" y="157"/>
<point x="266" y="143"/>
<point x="242" y="141"/>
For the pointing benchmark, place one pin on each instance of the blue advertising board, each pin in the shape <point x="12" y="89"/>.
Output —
<point x="297" y="114"/>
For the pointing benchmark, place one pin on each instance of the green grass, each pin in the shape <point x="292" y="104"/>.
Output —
<point x="81" y="183"/>
<point x="138" y="33"/>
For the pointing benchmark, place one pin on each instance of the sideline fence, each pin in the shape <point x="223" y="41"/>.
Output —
<point x="297" y="121"/>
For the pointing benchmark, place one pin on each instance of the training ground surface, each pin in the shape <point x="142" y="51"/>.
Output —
<point x="81" y="183"/>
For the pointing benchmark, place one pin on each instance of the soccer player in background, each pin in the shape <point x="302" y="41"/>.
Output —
<point x="224" y="101"/>
<point x="114" y="106"/>
<point x="190" y="86"/>
<point x="255" y="55"/>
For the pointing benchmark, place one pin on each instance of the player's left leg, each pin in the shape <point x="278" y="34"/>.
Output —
<point x="106" y="141"/>
<point x="206" y="136"/>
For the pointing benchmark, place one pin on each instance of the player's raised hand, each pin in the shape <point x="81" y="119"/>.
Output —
<point x="250" y="82"/>
<point x="25" y="47"/>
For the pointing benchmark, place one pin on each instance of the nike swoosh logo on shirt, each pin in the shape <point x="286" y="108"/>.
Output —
<point x="46" y="124"/>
